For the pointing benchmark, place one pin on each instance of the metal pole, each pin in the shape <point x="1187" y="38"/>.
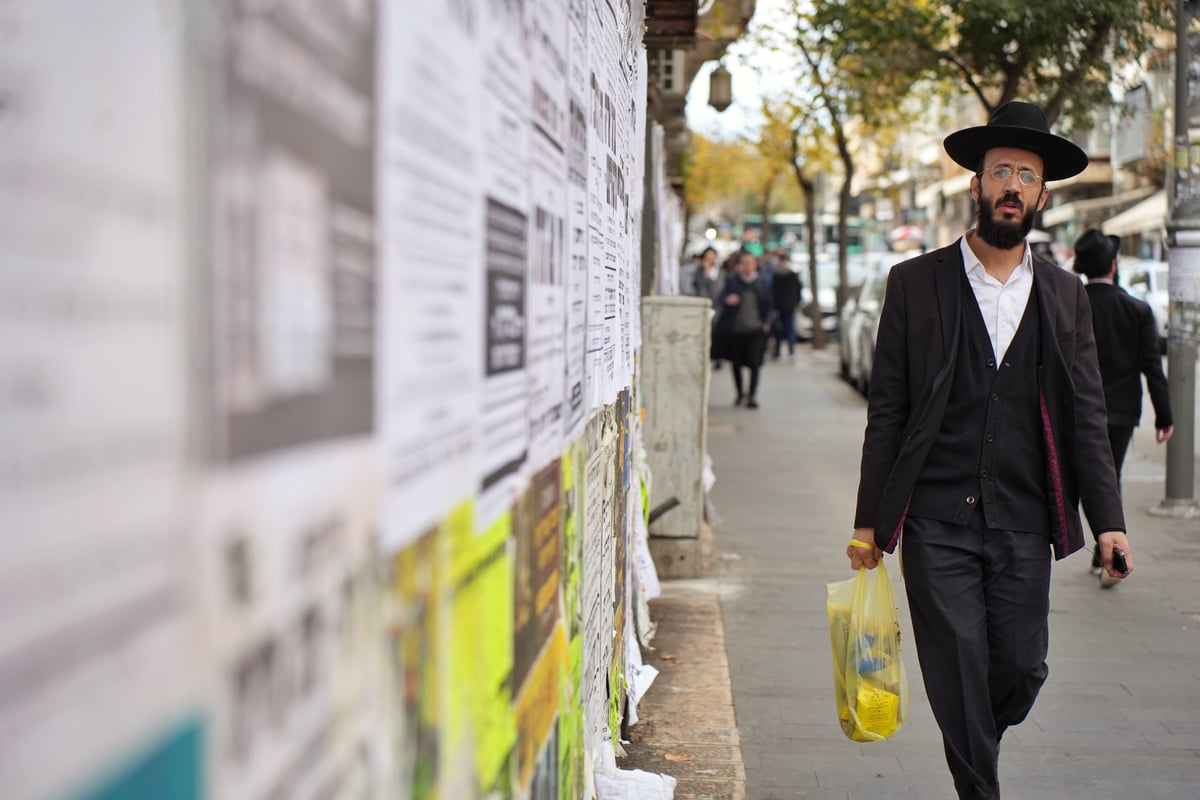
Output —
<point x="1183" y="241"/>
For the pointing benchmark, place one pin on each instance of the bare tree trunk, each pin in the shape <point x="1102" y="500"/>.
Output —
<point x="809" y="187"/>
<point x="768" y="191"/>
<point x="843" y="214"/>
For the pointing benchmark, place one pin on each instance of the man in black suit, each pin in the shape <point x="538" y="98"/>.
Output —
<point x="985" y="429"/>
<point x="1127" y="347"/>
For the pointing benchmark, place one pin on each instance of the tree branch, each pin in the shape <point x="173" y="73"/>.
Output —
<point x="968" y="76"/>
<point x="1072" y="80"/>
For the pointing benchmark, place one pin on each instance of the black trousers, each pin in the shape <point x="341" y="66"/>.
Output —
<point x="980" y="603"/>
<point x="1118" y="441"/>
<point x="747" y="351"/>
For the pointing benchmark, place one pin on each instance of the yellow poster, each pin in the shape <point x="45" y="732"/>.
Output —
<point x="537" y="704"/>
<point x="537" y="565"/>
<point x="481" y="715"/>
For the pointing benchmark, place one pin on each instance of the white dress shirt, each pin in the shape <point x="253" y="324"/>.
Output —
<point x="1001" y="304"/>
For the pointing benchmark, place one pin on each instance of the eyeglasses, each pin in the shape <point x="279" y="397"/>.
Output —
<point x="1002" y="172"/>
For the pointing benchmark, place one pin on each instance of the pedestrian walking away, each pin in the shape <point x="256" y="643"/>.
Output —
<point x="1127" y="348"/>
<point x="785" y="297"/>
<point x="743" y="319"/>
<point x="986" y="428"/>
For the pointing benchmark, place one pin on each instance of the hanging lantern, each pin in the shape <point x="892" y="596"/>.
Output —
<point x="720" y="88"/>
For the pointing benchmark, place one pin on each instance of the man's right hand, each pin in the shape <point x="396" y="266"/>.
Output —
<point x="859" y="554"/>
<point x="733" y="299"/>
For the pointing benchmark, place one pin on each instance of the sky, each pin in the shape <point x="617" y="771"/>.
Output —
<point x="741" y="118"/>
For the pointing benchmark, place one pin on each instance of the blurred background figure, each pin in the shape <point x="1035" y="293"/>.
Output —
<point x="785" y="298"/>
<point x="743" y="321"/>
<point x="704" y="281"/>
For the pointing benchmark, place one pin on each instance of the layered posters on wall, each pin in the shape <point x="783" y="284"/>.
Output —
<point x="606" y="198"/>
<point x="619" y="533"/>
<point x="289" y="500"/>
<point x="629" y="281"/>
<point x="614" y="38"/>
<point x="597" y="602"/>
<point x="430" y="244"/>
<point x="99" y="639"/>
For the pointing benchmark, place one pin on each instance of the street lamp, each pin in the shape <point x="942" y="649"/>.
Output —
<point x="720" y="88"/>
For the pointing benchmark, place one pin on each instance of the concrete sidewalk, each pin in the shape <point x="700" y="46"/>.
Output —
<point x="1118" y="718"/>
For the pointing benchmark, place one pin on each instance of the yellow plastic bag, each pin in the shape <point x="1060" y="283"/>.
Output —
<point x="869" y="684"/>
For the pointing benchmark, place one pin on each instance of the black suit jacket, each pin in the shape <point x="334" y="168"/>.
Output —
<point x="1127" y="345"/>
<point x="915" y="354"/>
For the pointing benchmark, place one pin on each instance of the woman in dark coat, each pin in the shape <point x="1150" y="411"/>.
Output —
<point x="744" y="316"/>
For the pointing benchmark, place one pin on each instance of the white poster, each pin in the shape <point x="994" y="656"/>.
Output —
<point x="638" y="188"/>
<point x="503" y="414"/>
<point x="100" y="653"/>
<point x="431" y="280"/>
<point x="1183" y="275"/>
<point x="546" y="24"/>
<point x="290" y="588"/>
<point x="576" y="393"/>
<point x="606" y="200"/>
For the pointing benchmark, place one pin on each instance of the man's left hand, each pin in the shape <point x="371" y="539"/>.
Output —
<point x="1106" y="542"/>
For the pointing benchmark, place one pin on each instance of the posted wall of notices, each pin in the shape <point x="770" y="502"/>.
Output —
<point x="318" y="334"/>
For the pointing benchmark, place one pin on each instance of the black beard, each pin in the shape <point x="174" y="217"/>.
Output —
<point x="1002" y="235"/>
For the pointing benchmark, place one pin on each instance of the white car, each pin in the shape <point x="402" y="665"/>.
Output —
<point x="866" y="319"/>
<point x="1147" y="281"/>
<point x="848" y="338"/>
<point x="827" y="282"/>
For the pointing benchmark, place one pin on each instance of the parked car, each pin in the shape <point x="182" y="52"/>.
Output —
<point x="847" y="334"/>
<point x="1147" y="281"/>
<point x="827" y="282"/>
<point x="870" y="304"/>
<point x="860" y="320"/>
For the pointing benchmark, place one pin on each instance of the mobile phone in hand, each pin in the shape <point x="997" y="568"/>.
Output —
<point x="1119" y="563"/>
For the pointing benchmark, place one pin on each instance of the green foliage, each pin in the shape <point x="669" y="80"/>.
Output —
<point x="727" y="178"/>
<point x="1060" y="54"/>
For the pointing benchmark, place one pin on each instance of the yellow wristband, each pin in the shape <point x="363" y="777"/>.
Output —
<point x="861" y="545"/>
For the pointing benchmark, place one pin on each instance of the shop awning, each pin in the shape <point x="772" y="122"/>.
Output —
<point x="1068" y="211"/>
<point x="1148" y="215"/>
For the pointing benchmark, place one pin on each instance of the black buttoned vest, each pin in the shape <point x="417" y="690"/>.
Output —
<point x="989" y="457"/>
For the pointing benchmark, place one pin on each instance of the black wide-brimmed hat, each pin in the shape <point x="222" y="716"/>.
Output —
<point x="1023" y="125"/>
<point x="1094" y="253"/>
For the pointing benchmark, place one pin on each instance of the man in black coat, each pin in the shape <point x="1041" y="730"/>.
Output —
<point x="1127" y="347"/>
<point x="986" y="428"/>
<point x="785" y="296"/>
